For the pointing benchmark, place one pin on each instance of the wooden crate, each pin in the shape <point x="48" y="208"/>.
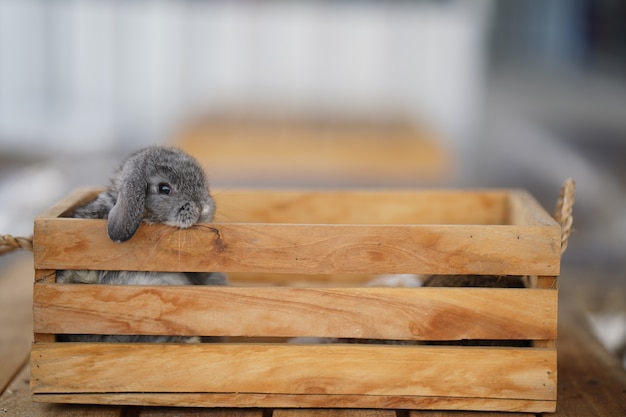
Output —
<point x="297" y="260"/>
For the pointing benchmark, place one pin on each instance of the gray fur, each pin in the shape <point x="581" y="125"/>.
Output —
<point x="134" y="197"/>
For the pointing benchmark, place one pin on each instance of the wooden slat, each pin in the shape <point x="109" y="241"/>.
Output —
<point x="477" y="207"/>
<point x="75" y="199"/>
<point x="355" y="206"/>
<point x="323" y="232"/>
<point x="525" y="210"/>
<point x="293" y="248"/>
<point x="373" y="313"/>
<point x="306" y="400"/>
<point x="503" y="373"/>
<point x="548" y="283"/>
<point x="16" y="401"/>
<point x="43" y="276"/>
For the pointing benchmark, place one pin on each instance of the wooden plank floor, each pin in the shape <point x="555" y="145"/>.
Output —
<point x="591" y="381"/>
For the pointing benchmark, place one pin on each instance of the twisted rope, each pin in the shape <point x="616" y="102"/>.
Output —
<point x="10" y="243"/>
<point x="563" y="212"/>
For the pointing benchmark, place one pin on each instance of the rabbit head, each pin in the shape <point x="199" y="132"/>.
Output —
<point x="158" y="185"/>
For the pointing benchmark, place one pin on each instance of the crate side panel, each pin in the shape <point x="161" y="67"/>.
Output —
<point x="478" y="207"/>
<point x="370" y="313"/>
<point x="505" y="373"/>
<point x="309" y="249"/>
<point x="524" y="210"/>
<point x="75" y="199"/>
<point x="304" y="401"/>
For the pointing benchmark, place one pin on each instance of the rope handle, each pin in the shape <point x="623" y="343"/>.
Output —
<point x="563" y="212"/>
<point x="10" y="243"/>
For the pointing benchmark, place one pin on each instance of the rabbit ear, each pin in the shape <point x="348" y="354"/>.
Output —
<point x="127" y="213"/>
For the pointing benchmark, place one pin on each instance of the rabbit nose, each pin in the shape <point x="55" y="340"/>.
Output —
<point x="188" y="214"/>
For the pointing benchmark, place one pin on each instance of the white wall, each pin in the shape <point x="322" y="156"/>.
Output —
<point x="85" y="75"/>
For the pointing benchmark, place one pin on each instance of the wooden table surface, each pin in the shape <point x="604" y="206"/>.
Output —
<point x="591" y="382"/>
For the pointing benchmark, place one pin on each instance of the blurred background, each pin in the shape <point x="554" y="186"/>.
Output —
<point x="432" y="93"/>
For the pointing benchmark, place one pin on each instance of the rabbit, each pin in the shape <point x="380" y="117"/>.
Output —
<point x="491" y="281"/>
<point x="154" y="185"/>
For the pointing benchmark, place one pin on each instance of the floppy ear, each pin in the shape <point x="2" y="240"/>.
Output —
<point x="127" y="213"/>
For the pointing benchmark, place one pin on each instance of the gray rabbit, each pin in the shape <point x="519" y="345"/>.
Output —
<point x="154" y="185"/>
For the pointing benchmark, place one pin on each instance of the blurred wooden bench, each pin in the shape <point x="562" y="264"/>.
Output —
<point x="317" y="153"/>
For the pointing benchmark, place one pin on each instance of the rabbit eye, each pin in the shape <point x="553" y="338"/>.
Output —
<point x="165" y="188"/>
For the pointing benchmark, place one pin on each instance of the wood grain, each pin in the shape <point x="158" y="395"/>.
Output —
<point x="372" y="313"/>
<point x="42" y="276"/>
<point x="525" y="210"/>
<point x="75" y="199"/>
<point x="505" y="373"/>
<point x="298" y="248"/>
<point x="323" y="233"/>
<point x="307" y="400"/>
<point x="354" y="206"/>
<point x="549" y="283"/>
<point x="373" y="232"/>
<point x="16" y="401"/>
